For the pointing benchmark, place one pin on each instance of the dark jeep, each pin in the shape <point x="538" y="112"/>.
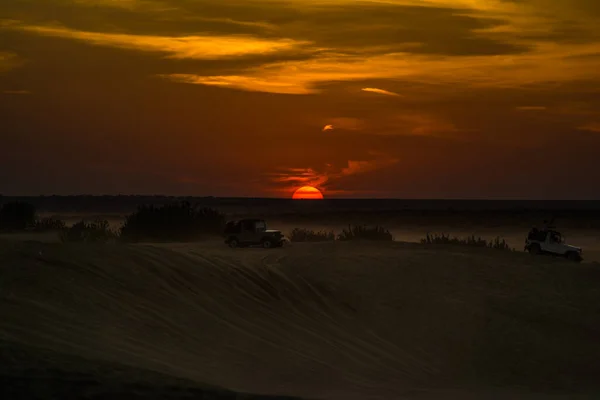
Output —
<point x="252" y="232"/>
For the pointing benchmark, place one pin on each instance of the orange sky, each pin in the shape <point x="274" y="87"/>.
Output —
<point x="381" y="98"/>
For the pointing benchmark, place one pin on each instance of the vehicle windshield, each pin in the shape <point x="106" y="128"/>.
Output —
<point x="556" y="237"/>
<point x="261" y="226"/>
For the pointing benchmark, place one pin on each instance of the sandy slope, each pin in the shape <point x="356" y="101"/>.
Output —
<point x="322" y="321"/>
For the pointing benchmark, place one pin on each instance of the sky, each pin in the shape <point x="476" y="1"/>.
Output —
<point x="482" y="99"/>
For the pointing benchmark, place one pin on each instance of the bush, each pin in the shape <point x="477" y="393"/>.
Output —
<point x="172" y="222"/>
<point x="497" y="243"/>
<point x="88" y="232"/>
<point x="17" y="215"/>
<point x="354" y="232"/>
<point x="49" y="224"/>
<point x="307" y="235"/>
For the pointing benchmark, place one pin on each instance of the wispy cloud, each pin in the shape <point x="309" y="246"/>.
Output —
<point x="531" y="108"/>
<point x="327" y="127"/>
<point x="17" y="92"/>
<point x="204" y="47"/>
<point x="146" y="5"/>
<point x="345" y="123"/>
<point x="591" y="127"/>
<point x="380" y="91"/>
<point x="9" y="61"/>
<point x="421" y="124"/>
<point x="361" y="167"/>
<point x="291" y="178"/>
<point x="256" y="24"/>
<point x="505" y="44"/>
<point x="545" y="64"/>
<point x="250" y="83"/>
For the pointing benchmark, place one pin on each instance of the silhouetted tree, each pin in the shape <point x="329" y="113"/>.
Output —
<point x="17" y="215"/>
<point x="172" y="222"/>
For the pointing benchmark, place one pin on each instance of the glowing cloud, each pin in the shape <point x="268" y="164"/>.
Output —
<point x="547" y="63"/>
<point x="380" y="91"/>
<point x="191" y="47"/>
<point x="347" y="123"/>
<point x="294" y="177"/>
<point x="257" y="84"/>
<point x="591" y="127"/>
<point x="327" y="128"/>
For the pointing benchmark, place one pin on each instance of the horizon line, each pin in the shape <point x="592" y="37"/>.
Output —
<point x="289" y="198"/>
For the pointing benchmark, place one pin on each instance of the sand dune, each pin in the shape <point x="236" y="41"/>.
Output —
<point x="318" y="321"/>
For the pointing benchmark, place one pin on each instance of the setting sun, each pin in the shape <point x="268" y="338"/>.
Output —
<point x="307" y="193"/>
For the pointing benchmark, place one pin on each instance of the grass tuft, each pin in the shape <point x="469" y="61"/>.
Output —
<point x="97" y="231"/>
<point x="354" y="232"/>
<point x="307" y="235"/>
<point x="49" y="224"/>
<point x="496" y="243"/>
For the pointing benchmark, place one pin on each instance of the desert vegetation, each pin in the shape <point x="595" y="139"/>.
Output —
<point x="177" y="222"/>
<point x="352" y="232"/>
<point x="307" y="235"/>
<point x="183" y="222"/>
<point x="49" y="224"/>
<point x="496" y="243"/>
<point x="357" y="232"/>
<point x="97" y="231"/>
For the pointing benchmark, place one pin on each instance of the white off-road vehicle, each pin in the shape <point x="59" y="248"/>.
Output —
<point x="551" y="242"/>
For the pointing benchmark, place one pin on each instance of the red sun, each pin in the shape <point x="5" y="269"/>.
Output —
<point x="308" y="193"/>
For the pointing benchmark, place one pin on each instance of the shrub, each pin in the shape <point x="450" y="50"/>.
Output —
<point x="172" y="222"/>
<point x="354" y="232"/>
<point x="17" y="215"/>
<point x="497" y="243"/>
<point x="307" y="235"/>
<point x="49" y="224"/>
<point x="88" y="232"/>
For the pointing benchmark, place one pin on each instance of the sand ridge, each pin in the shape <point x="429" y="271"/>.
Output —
<point x="319" y="321"/>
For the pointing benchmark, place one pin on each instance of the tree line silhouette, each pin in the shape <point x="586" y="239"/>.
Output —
<point x="179" y="221"/>
<point x="183" y="222"/>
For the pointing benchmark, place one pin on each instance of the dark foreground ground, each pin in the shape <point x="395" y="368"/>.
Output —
<point x="29" y="373"/>
<point x="331" y="321"/>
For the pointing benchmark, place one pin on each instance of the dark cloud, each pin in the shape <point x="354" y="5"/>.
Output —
<point x="391" y="27"/>
<point x="167" y="20"/>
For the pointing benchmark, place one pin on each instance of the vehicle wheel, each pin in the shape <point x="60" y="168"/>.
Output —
<point x="535" y="249"/>
<point x="572" y="256"/>
<point x="267" y="244"/>
<point x="233" y="243"/>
